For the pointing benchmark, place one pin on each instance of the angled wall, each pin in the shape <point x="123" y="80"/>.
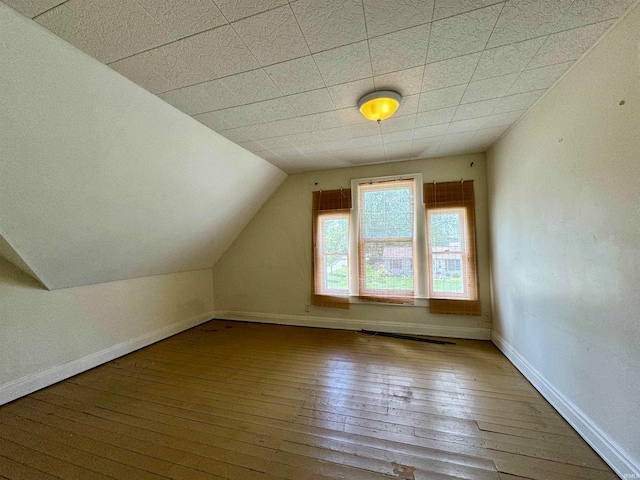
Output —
<point x="564" y="210"/>
<point x="101" y="180"/>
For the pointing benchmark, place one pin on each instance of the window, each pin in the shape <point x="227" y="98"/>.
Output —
<point x="386" y="213"/>
<point x="330" y="278"/>
<point x="333" y="254"/>
<point x="453" y="280"/>
<point x="447" y="252"/>
<point x="383" y="244"/>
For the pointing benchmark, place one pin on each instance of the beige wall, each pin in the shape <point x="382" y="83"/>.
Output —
<point x="266" y="274"/>
<point x="46" y="336"/>
<point x="564" y="190"/>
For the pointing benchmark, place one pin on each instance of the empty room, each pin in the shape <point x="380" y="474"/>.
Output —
<point x="320" y="239"/>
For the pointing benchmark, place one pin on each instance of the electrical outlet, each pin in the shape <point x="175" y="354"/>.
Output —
<point x="307" y="307"/>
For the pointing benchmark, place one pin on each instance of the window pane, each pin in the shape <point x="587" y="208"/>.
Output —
<point x="446" y="232"/>
<point x="336" y="235"/>
<point x="447" y="273"/>
<point x="388" y="265"/>
<point x="336" y="270"/>
<point x="333" y="260"/>
<point x="388" y="213"/>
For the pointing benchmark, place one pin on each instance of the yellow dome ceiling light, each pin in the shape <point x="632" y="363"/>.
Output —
<point x="378" y="106"/>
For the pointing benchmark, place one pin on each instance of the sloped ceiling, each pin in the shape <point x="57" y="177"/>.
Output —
<point x="282" y="78"/>
<point x="101" y="180"/>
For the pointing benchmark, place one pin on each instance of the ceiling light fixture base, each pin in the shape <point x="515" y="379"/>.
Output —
<point x="380" y="105"/>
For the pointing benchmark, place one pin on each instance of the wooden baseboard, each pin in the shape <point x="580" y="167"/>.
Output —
<point x="472" y="333"/>
<point x="612" y="453"/>
<point x="35" y="381"/>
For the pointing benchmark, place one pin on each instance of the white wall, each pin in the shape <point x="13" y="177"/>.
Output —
<point x="100" y="180"/>
<point x="564" y="191"/>
<point x="266" y="274"/>
<point x="47" y="336"/>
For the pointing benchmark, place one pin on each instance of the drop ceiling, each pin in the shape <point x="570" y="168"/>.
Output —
<point x="282" y="79"/>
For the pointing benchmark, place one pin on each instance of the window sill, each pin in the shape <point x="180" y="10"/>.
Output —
<point x="419" y="302"/>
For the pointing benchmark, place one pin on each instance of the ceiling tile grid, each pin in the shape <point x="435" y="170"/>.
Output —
<point x="282" y="78"/>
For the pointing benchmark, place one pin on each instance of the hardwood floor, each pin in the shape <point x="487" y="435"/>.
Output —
<point x="248" y="401"/>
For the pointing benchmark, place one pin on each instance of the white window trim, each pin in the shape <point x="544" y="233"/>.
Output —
<point x="421" y="277"/>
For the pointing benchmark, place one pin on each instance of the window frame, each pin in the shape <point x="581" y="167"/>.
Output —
<point x="320" y="255"/>
<point x="465" y="255"/>
<point x="420" y="272"/>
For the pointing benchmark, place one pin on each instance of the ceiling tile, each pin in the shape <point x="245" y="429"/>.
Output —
<point x="212" y="121"/>
<point x="276" y="109"/>
<point x="289" y="126"/>
<point x="462" y="34"/>
<point x="235" y="135"/>
<point x="295" y="76"/>
<point x="399" y="136"/>
<point x="330" y="23"/>
<point x="520" y="101"/>
<point x="489" y="134"/>
<point x="484" y="122"/>
<point x="435" y="117"/>
<point x="32" y="8"/>
<point x="351" y="116"/>
<point x="182" y="18"/>
<point x="273" y="36"/>
<point x="524" y="19"/>
<point x="538" y="78"/>
<point x="253" y="86"/>
<point x="313" y="151"/>
<point x="107" y="31"/>
<point x="252" y="146"/>
<point x="303" y="138"/>
<point x="489" y="88"/>
<point x="425" y="148"/>
<point x="335" y="146"/>
<point x="449" y="8"/>
<point x="450" y="149"/>
<point x="397" y="151"/>
<point x="363" y="130"/>
<point x="236" y="9"/>
<point x="462" y="137"/>
<point x="568" y="45"/>
<point x="205" y="56"/>
<point x="445" y="97"/>
<point x="405" y="82"/>
<point x="344" y="64"/>
<point x="583" y="12"/>
<point x="508" y="59"/>
<point x="474" y="110"/>
<point x="367" y="141"/>
<point x="408" y="105"/>
<point x="257" y="132"/>
<point x="448" y="73"/>
<point x="290" y="154"/>
<point x="399" y="50"/>
<point x="395" y="124"/>
<point x="278" y="161"/>
<point x="275" y="142"/>
<point x="200" y="98"/>
<point x="348" y="94"/>
<point x="315" y="101"/>
<point x="322" y="121"/>
<point x="430" y="131"/>
<point x="241" y="116"/>
<point x="336" y="134"/>
<point x="390" y="16"/>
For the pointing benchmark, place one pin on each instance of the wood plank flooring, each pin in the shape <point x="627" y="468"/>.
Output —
<point x="247" y="401"/>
